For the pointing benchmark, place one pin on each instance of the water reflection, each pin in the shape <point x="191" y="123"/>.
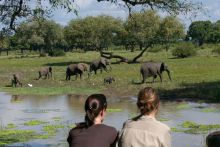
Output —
<point x="70" y="108"/>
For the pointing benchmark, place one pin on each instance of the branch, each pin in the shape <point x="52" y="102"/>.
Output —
<point x="140" y="55"/>
<point x="108" y="55"/>
<point x="15" y="14"/>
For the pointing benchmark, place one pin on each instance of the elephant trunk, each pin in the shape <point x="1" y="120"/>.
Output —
<point x="168" y="72"/>
<point x="110" y="68"/>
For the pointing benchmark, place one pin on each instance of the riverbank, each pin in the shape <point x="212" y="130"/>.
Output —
<point x="195" y="77"/>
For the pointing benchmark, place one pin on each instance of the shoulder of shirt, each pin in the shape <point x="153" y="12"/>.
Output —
<point x="163" y="125"/>
<point x="109" y="127"/>
<point x="129" y="121"/>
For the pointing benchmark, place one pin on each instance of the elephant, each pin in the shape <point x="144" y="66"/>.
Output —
<point x="109" y="80"/>
<point x="100" y="64"/>
<point x="15" y="81"/>
<point x="46" y="72"/>
<point x="153" y="69"/>
<point x="75" y="69"/>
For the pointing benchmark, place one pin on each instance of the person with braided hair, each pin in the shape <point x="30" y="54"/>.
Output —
<point x="144" y="130"/>
<point x="92" y="132"/>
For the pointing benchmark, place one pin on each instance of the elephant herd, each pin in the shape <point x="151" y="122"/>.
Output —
<point x="147" y="69"/>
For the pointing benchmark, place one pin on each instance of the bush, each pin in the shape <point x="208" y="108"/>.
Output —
<point x="56" y="53"/>
<point x="42" y="55"/>
<point x="184" y="50"/>
<point x="216" y="50"/>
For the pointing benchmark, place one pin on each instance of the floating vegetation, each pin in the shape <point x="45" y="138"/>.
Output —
<point x="114" y="110"/>
<point x="34" y="123"/>
<point x="209" y="110"/>
<point x="56" y="118"/>
<point x="183" y="106"/>
<point x="194" y="128"/>
<point x="163" y="119"/>
<point x="176" y="130"/>
<point x="13" y="136"/>
<point x="51" y="130"/>
<point x="10" y="126"/>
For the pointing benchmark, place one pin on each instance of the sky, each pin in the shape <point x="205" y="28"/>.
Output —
<point x="93" y="8"/>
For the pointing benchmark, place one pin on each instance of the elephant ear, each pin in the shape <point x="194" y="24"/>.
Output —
<point x="103" y="61"/>
<point x="80" y="67"/>
<point x="85" y="67"/>
<point x="162" y="67"/>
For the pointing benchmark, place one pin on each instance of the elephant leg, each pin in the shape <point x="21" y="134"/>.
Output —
<point x="80" y="75"/>
<point x="154" y="77"/>
<point x="39" y="76"/>
<point x="95" y="72"/>
<point x="76" y="76"/>
<point x="144" y="77"/>
<point x="160" y="77"/>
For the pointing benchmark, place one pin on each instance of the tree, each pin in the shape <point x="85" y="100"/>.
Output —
<point x="171" y="6"/>
<point x="92" y="32"/>
<point x="146" y="29"/>
<point x="11" y="10"/>
<point x="215" y="33"/>
<point x="142" y="28"/>
<point x="171" y="30"/>
<point x="199" y="31"/>
<point x="38" y="35"/>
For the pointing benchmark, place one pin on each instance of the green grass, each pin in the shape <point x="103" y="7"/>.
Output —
<point x="12" y="136"/>
<point x="50" y="130"/>
<point x="10" y="126"/>
<point x="194" y="77"/>
<point x="183" y="106"/>
<point x="194" y="128"/>
<point x="114" y="110"/>
<point x="34" y="123"/>
<point x="57" y="118"/>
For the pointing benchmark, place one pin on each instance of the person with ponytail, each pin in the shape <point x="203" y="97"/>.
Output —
<point x="92" y="132"/>
<point x="144" y="130"/>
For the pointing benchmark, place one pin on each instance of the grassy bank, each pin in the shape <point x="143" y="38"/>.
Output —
<point x="194" y="77"/>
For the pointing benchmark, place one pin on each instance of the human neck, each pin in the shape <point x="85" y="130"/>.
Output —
<point x="97" y="121"/>
<point x="151" y="115"/>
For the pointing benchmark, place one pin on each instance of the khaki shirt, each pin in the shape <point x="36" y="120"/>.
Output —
<point x="144" y="132"/>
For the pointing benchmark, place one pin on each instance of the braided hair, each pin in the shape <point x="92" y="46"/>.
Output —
<point x="94" y="104"/>
<point x="148" y="100"/>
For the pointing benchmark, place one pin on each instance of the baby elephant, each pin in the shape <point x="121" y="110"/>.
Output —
<point x="15" y="81"/>
<point x="46" y="72"/>
<point x="109" y="80"/>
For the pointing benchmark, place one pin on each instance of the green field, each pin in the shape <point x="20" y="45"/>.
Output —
<point x="195" y="77"/>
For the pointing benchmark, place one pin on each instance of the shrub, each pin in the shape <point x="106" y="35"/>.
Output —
<point x="43" y="55"/>
<point x="56" y="53"/>
<point x="216" y="50"/>
<point x="184" y="50"/>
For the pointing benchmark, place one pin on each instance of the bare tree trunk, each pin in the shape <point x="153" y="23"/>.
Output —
<point x="108" y="55"/>
<point x="141" y="54"/>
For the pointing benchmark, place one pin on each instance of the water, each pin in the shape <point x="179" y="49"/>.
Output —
<point x="20" y="109"/>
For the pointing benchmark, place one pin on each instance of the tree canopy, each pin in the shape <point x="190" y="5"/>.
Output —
<point x="204" y="32"/>
<point x="12" y="11"/>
